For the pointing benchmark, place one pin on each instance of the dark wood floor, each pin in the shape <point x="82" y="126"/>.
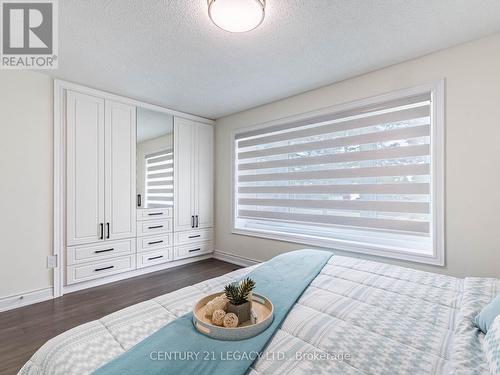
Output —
<point x="24" y="330"/>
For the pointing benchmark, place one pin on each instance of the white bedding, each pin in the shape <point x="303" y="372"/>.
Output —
<point x="356" y="317"/>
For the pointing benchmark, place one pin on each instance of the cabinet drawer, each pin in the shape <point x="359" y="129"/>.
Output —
<point x="151" y="258"/>
<point x="79" y="273"/>
<point x="181" y="252"/>
<point x="154" y="213"/>
<point x="192" y="236"/>
<point x="146" y="228"/>
<point x="98" y="251"/>
<point x="153" y="242"/>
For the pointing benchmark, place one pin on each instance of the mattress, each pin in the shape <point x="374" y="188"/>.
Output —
<point x="356" y="317"/>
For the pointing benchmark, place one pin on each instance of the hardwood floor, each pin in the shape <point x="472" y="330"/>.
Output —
<point x="24" y="330"/>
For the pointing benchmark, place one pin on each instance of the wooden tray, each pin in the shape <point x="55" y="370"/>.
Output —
<point x="261" y="306"/>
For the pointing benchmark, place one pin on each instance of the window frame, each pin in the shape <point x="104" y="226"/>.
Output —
<point x="437" y="91"/>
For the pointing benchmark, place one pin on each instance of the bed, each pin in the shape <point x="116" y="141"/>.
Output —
<point x="356" y="317"/>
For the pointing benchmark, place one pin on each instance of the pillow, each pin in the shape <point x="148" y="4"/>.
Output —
<point x="492" y="346"/>
<point x="485" y="318"/>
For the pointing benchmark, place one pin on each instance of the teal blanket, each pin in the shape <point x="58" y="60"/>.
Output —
<point x="178" y="348"/>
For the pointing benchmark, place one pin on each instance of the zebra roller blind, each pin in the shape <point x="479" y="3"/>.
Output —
<point x="363" y="174"/>
<point x="159" y="179"/>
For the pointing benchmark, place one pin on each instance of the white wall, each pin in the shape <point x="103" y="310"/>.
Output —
<point x="472" y="73"/>
<point x="26" y="181"/>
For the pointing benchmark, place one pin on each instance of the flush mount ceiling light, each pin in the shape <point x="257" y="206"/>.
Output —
<point x="236" y="16"/>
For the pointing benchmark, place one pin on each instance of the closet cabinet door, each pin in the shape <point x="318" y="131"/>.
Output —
<point x="120" y="165"/>
<point x="204" y="175"/>
<point x="183" y="174"/>
<point x="84" y="168"/>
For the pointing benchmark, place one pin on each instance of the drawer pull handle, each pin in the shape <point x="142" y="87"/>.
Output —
<point x="154" y="242"/>
<point x="158" y="257"/>
<point x="155" y="213"/>
<point x="190" y="251"/>
<point x="198" y="235"/>
<point x="156" y="227"/>
<point x="102" y="251"/>
<point x="103" y="268"/>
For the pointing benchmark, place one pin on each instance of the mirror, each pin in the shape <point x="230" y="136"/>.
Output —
<point x="155" y="159"/>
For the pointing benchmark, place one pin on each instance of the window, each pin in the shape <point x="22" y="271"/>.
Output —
<point x="159" y="179"/>
<point x="366" y="177"/>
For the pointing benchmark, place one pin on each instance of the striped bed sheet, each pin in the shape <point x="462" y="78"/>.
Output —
<point x="356" y="317"/>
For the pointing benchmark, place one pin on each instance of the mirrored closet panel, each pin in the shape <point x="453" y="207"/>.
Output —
<point x="138" y="184"/>
<point x="155" y="163"/>
<point x="154" y="186"/>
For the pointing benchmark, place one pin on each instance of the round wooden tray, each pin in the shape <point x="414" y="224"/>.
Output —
<point x="262" y="310"/>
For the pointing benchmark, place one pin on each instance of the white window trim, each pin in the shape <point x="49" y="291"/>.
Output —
<point x="437" y="178"/>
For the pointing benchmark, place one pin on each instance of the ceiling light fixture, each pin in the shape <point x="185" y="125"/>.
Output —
<point x="236" y="16"/>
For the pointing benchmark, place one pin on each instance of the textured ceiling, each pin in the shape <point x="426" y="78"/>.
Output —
<point x="168" y="52"/>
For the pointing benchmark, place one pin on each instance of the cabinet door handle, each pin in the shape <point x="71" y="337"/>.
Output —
<point x="107" y="227"/>
<point x="102" y="231"/>
<point x="158" y="257"/>
<point x="103" y="268"/>
<point x="196" y="221"/>
<point x="155" y="213"/>
<point x="198" y="235"/>
<point x="154" y="242"/>
<point x="103" y="251"/>
<point x="139" y="200"/>
<point x="192" y="221"/>
<point x="190" y="251"/>
<point x="156" y="227"/>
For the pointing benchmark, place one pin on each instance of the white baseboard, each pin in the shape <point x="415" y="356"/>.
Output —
<point x="235" y="259"/>
<point x="24" y="299"/>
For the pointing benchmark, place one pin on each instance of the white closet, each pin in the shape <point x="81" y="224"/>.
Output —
<point x="100" y="169"/>
<point x="100" y="173"/>
<point x="193" y="170"/>
<point x="108" y="233"/>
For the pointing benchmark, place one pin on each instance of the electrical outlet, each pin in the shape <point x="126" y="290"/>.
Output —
<point x="52" y="261"/>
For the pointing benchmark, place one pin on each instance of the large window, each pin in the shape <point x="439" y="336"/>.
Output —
<point x="366" y="177"/>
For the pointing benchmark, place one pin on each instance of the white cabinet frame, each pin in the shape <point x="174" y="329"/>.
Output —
<point x="87" y="205"/>
<point x="184" y="177"/>
<point x="204" y="176"/>
<point x="194" y="175"/>
<point x="120" y="164"/>
<point x="60" y="88"/>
